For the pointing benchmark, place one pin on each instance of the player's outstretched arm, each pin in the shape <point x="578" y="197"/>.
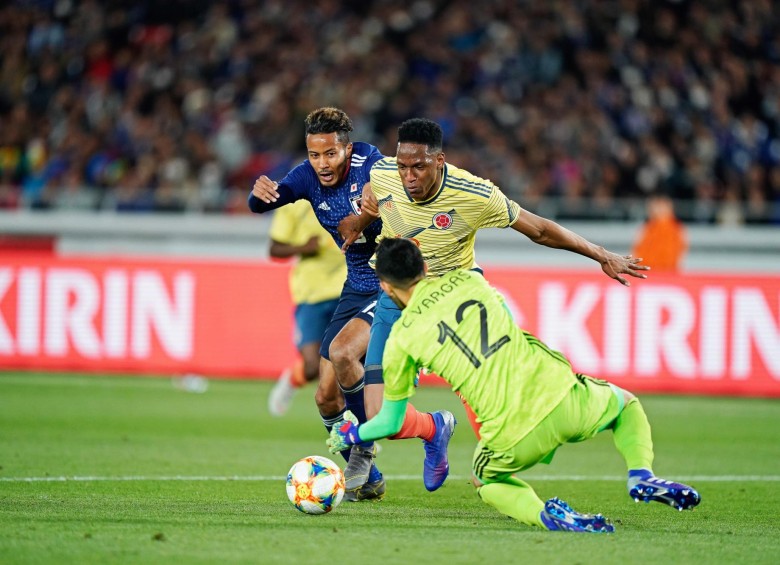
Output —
<point x="268" y="195"/>
<point x="548" y="233"/>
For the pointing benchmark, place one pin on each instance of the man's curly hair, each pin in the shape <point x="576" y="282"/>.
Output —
<point x="422" y="131"/>
<point x="329" y="120"/>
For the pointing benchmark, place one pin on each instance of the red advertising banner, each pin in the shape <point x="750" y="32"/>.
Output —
<point x="707" y="334"/>
<point x="147" y="316"/>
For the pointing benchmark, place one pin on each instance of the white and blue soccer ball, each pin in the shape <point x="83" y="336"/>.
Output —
<point x="315" y="485"/>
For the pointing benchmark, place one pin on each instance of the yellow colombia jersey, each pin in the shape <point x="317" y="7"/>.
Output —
<point x="444" y="226"/>
<point x="317" y="278"/>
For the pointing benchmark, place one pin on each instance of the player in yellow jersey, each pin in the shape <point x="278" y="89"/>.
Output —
<point x="420" y="196"/>
<point x="316" y="281"/>
<point x="527" y="396"/>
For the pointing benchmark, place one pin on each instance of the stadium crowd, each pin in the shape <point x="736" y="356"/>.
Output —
<point x="591" y="105"/>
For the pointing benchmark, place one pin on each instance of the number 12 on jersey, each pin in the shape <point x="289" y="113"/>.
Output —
<point x="486" y="348"/>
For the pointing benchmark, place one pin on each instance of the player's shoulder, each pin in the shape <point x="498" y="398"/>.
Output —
<point x="301" y="176"/>
<point x="362" y="149"/>
<point x="458" y="277"/>
<point x="386" y="164"/>
<point x="467" y="183"/>
<point x="468" y="283"/>
<point x="384" y="177"/>
<point x="364" y="156"/>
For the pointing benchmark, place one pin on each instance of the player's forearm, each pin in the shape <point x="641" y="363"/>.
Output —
<point x="363" y="221"/>
<point x="386" y="423"/>
<point x="257" y="206"/>
<point x="558" y="237"/>
<point x="280" y="250"/>
<point x="550" y="234"/>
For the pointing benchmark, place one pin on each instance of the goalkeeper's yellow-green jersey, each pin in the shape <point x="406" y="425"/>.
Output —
<point x="459" y="327"/>
<point x="445" y="225"/>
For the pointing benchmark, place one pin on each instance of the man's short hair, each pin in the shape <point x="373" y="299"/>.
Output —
<point x="399" y="262"/>
<point x="422" y="131"/>
<point x="329" y="120"/>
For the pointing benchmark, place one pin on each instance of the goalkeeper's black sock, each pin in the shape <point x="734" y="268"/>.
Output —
<point x="329" y="422"/>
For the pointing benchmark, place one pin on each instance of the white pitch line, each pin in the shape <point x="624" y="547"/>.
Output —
<point x="227" y="478"/>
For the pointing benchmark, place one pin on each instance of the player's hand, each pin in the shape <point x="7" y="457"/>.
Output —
<point x="368" y="202"/>
<point x="615" y="265"/>
<point x="350" y="228"/>
<point x="265" y="189"/>
<point x="344" y="434"/>
<point x="311" y="247"/>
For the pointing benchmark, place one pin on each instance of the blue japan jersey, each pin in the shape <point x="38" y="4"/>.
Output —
<point x="332" y="204"/>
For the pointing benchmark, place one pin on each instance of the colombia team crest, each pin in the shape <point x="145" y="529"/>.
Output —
<point x="442" y="221"/>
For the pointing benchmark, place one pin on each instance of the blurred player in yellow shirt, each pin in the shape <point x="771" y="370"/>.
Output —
<point x="316" y="282"/>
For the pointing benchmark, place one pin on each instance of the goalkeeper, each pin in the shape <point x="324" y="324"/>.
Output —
<point x="525" y="395"/>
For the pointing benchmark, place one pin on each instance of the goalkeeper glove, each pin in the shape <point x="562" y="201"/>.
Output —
<point x="344" y="434"/>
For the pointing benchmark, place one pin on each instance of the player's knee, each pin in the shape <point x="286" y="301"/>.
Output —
<point x="342" y="353"/>
<point x="329" y="399"/>
<point x="476" y="482"/>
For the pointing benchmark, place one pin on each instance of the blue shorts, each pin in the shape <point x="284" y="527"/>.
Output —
<point x="351" y="304"/>
<point x="385" y="315"/>
<point x="311" y="320"/>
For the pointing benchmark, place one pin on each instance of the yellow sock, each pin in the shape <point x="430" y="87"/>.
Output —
<point x="516" y="499"/>
<point x="632" y="436"/>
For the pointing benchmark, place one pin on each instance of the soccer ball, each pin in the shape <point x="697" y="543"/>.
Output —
<point x="315" y="485"/>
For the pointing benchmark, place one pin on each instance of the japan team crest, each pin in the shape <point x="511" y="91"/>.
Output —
<point x="355" y="197"/>
<point x="354" y="200"/>
<point x="442" y="221"/>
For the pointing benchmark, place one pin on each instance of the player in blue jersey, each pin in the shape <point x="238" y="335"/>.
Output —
<point x="332" y="180"/>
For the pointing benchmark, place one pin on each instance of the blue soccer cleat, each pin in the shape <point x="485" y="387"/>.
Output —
<point x="436" y="466"/>
<point x="557" y="515"/>
<point x="650" y="488"/>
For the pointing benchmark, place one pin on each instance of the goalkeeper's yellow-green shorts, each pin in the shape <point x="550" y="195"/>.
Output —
<point x="590" y="407"/>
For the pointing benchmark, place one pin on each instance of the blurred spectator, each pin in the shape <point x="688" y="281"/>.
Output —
<point x="588" y="106"/>
<point x="74" y="193"/>
<point x="662" y="240"/>
<point x="730" y="213"/>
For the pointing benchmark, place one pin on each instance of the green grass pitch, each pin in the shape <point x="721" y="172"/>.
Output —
<point x="135" y="470"/>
